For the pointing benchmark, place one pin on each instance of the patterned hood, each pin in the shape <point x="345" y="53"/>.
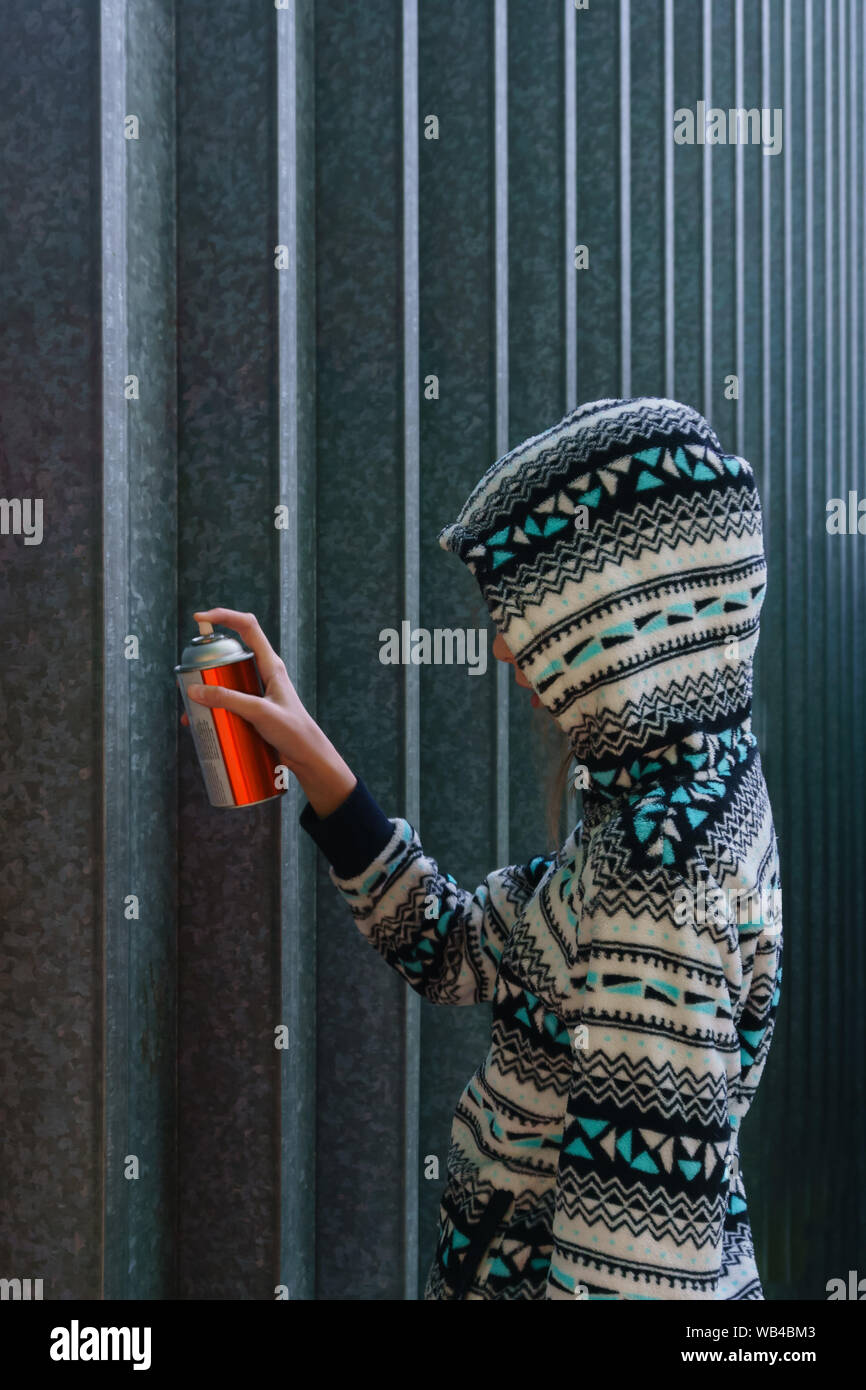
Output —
<point x="620" y="555"/>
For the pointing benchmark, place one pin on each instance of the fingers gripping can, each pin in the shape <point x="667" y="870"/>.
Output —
<point x="237" y="764"/>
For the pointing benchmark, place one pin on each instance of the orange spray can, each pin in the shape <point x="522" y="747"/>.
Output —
<point x="238" y="766"/>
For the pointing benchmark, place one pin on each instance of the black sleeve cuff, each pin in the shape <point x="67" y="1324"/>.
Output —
<point x="352" y="836"/>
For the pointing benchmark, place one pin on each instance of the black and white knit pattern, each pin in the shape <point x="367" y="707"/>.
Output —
<point x="595" y="1152"/>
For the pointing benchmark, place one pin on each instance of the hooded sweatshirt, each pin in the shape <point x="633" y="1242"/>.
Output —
<point x="634" y="974"/>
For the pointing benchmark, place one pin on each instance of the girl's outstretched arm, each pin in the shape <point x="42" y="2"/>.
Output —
<point x="445" y="941"/>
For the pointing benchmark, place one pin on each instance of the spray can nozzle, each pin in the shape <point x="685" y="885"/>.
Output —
<point x="205" y="629"/>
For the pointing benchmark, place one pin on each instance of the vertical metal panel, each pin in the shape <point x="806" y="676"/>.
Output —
<point x="140" y="588"/>
<point x="295" y="195"/>
<point x="542" y="312"/>
<point x="458" y="440"/>
<point x="848" y="1031"/>
<point x="229" y="985"/>
<point x="707" y="210"/>
<point x="822" y="1194"/>
<point x="668" y="210"/>
<point x="116" y="878"/>
<point x="766" y="254"/>
<point x="854" y="1032"/>
<point x="598" y="352"/>
<point x="51" y="1162"/>
<point x="501" y="407"/>
<point x="739" y="362"/>
<point x="569" y="77"/>
<point x="542" y="145"/>
<point x="720" y="217"/>
<point x="838" y="1030"/>
<point x="858" y="393"/>
<point x="789" y="510"/>
<point x="858" y="578"/>
<point x="803" y="882"/>
<point x="643" y="201"/>
<point x="812" y="515"/>
<point x="625" y="197"/>
<point x="850" y="1132"/>
<point x="412" y="611"/>
<point x="360" y="1140"/>
<point x="686" y="212"/>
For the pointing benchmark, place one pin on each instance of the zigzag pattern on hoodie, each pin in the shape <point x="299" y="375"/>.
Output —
<point x="635" y="974"/>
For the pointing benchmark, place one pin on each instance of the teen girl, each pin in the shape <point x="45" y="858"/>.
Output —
<point x="634" y="973"/>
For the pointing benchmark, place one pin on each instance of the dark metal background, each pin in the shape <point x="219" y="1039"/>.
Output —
<point x="303" y="128"/>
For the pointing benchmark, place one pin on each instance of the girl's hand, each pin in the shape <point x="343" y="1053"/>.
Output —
<point x="279" y="716"/>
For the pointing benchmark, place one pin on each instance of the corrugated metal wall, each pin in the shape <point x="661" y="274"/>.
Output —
<point x="323" y="255"/>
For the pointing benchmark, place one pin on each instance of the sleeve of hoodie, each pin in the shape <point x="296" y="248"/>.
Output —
<point x="445" y="941"/>
<point x="658" y="1086"/>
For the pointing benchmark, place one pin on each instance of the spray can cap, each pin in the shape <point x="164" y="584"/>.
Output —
<point x="209" y="648"/>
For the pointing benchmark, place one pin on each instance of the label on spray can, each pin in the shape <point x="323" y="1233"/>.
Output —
<point x="201" y="723"/>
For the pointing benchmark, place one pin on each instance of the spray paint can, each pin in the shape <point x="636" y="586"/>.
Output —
<point x="237" y="764"/>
